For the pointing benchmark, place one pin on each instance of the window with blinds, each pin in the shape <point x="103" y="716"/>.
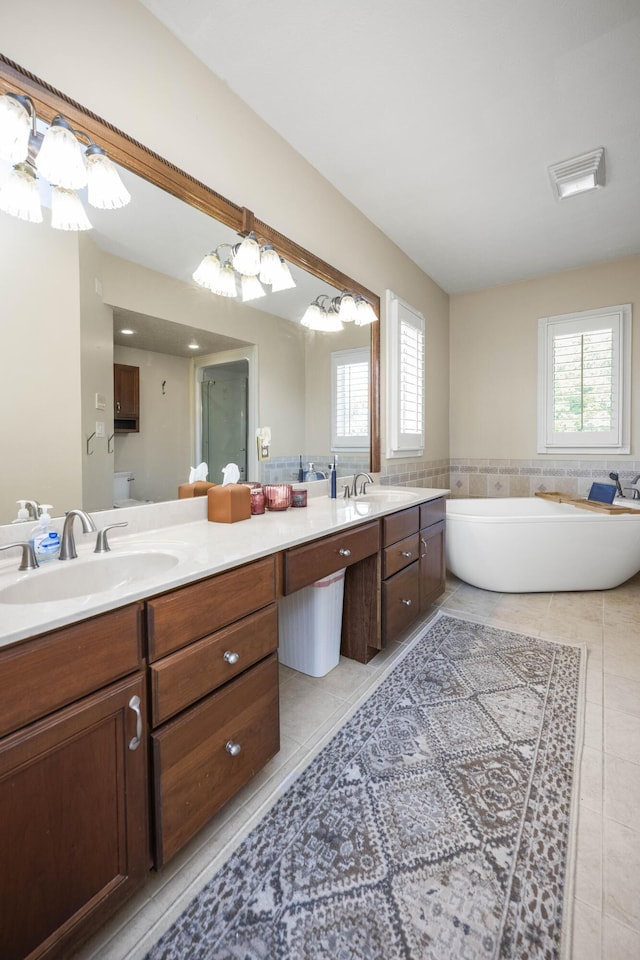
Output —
<point x="350" y="399"/>
<point x="405" y="377"/>
<point x="584" y="381"/>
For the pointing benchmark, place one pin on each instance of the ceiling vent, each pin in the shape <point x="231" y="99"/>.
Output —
<point x="571" y="177"/>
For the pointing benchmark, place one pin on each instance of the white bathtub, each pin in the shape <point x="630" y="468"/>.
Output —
<point x="529" y="545"/>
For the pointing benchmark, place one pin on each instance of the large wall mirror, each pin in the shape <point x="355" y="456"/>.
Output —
<point x="209" y="367"/>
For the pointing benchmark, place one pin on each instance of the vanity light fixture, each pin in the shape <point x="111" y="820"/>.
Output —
<point x="251" y="264"/>
<point x="579" y="174"/>
<point x="68" y="159"/>
<point x="322" y="316"/>
<point x="327" y="314"/>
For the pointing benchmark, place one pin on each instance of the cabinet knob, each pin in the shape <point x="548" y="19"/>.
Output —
<point x="344" y="552"/>
<point x="406" y="553"/>
<point x="233" y="748"/>
<point x="407" y="603"/>
<point x="134" y="704"/>
<point x="231" y="657"/>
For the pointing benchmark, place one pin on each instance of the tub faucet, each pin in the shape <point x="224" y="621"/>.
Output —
<point x="367" y="479"/>
<point x="616" y="478"/>
<point x="635" y="493"/>
<point x="68" y="544"/>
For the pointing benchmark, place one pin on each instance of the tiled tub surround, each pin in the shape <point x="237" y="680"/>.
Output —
<point x="524" y="478"/>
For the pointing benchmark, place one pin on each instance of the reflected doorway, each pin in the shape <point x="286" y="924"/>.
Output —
<point x="224" y="398"/>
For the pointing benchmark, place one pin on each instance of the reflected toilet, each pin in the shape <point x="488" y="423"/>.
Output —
<point x="121" y="481"/>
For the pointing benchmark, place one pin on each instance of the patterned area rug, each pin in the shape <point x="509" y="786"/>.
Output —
<point x="436" y="824"/>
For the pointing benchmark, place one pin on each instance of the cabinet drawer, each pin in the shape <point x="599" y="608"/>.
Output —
<point x="194" y="772"/>
<point x="41" y="675"/>
<point x="399" y="525"/>
<point x="400" y="555"/>
<point x="179" y="617"/>
<point x="179" y="680"/>
<point x="305" y="565"/>
<point x="400" y="601"/>
<point x="432" y="512"/>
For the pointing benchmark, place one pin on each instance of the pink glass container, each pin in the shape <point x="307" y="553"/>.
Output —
<point x="277" y="496"/>
<point x="299" y="498"/>
<point x="257" y="500"/>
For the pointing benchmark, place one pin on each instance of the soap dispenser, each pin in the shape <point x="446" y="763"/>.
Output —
<point x="23" y="513"/>
<point x="45" y="541"/>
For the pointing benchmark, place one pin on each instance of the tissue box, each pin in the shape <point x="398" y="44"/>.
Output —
<point x="229" y="503"/>
<point x="199" y="488"/>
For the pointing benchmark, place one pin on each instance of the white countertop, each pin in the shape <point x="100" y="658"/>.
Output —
<point x="202" y="548"/>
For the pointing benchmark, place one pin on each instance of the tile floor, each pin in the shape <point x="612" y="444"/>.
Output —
<point x="607" y="879"/>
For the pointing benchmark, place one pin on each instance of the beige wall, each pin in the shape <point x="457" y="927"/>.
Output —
<point x="494" y="355"/>
<point x="127" y="68"/>
<point x="40" y="426"/>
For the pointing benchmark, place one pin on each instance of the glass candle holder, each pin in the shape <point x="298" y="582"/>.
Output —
<point x="257" y="500"/>
<point x="277" y="496"/>
<point x="299" y="498"/>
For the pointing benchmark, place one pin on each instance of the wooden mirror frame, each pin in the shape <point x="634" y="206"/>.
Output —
<point x="150" y="166"/>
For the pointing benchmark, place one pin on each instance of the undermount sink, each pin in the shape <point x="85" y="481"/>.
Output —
<point x="386" y="494"/>
<point x="95" y="573"/>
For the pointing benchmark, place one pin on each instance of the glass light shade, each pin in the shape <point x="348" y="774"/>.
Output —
<point x="348" y="310"/>
<point x="207" y="273"/>
<point x="332" y="322"/>
<point x="60" y="159"/>
<point x="312" y="317"/>
<point x="20" y="196"/>
<point x="226" y="285"/>
<point x="251" y="289"/>
<point x="269" y="265"/>
<point x="366" y="313"/>
<point x="67" y="212"/>
<point x="106" y="191"/>
<point x="246" y="258"/>
<point x="15" y="127"/>
<point x="283" y="279"/>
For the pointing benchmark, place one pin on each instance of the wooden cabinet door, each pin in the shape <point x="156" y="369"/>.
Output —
<point x="126" y="397"/>
<point x="73" y="822"/>
<point x="432" y="564"/>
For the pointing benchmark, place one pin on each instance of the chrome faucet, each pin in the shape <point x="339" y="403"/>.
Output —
<point x="68" y="544"/>
<point x="34" y="508"/>
<point x="367" y="479"/>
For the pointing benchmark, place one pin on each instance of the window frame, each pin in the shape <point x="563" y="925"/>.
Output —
<point x="401" y="444"/>
<point x="618" y="440"/>
<point x="359" y="442"/>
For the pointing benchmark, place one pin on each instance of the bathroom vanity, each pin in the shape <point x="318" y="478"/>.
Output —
<point x="128" y="718"/>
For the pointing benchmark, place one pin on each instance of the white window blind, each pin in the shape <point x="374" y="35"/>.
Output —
<point x="584" y="381"/>
<point x="350" y="399"/>
<point x="405" y="378"/>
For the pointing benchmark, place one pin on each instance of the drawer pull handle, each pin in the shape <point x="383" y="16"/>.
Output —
<point x="407" y="603"/>
<point x="134" y="704"/>
<point x="231" y="657"/>
<point x="424" y="546"/>
<point x="344" y="552"/>
<point x="406" y="553"/>
<point x="233" y="748"/>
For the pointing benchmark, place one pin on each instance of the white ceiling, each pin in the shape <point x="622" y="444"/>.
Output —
<point x="438" y="120"/>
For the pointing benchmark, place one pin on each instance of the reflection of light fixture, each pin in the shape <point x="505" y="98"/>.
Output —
<point x="579" y="174"/>
<point x="327" y="314"/>
<point x="67" y="158"/>
<point x="322" y="316"/>
<point x="193" y="345"/>
<point x="254" y="264"/>
<point x="127" y="332"/>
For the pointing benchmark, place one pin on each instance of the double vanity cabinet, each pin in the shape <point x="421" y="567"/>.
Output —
<point x="122" y="734"/>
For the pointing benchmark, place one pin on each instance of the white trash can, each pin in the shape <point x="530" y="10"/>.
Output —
<point x="310" y="626"/>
